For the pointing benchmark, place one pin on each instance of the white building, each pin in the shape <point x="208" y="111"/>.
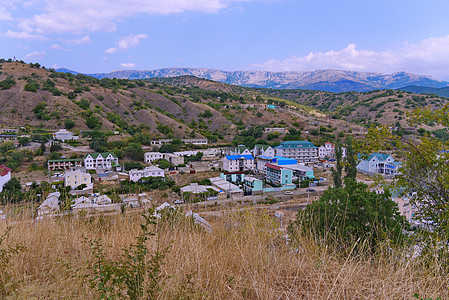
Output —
<point x="379" y="163"/>
<point x="49" y="207"/>
<point x="302" y="151"/>
<point x="97" y="204"/>
<point x="264" y="150"/>
<point x="240" y="150"/>
<point x="238" y="163"/>
<point x="5" y="176"/>
<point x="64" y="135"/>
<point x="77" y="178"/>
<point x="328" y="151"/>
<point x="152" y="171"/>
<point x="152" y="156"/>
<point x="106" y="160"/>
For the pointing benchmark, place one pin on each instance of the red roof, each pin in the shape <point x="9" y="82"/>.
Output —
<point x="4" y="170"/>
<point x="271" y="166"/>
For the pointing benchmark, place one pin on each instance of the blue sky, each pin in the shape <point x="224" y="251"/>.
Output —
<point x="273" y="35"/>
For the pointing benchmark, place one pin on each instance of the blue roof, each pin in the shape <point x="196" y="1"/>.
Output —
<point x="267" y="157"/>
<point x="297" y="144"/>
<point x="379" y="156"/>
<point x="285" y="161"/>
<point x="236" y="157"/>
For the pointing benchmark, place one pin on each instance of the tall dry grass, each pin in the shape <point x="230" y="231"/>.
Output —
<point x="245" y="257"/>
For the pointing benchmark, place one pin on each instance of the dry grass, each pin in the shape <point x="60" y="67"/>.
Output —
<point x="245" y="257"/>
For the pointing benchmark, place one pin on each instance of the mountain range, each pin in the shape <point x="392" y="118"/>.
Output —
<point x="324" y="80"/>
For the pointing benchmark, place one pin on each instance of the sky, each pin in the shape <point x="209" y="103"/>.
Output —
<point x="93" y="36"/>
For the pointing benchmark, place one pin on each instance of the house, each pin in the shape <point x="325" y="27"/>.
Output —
<point x="185" y="141"/>
<point x="76" y="178"/>
<point x="49" y="207"/>
<point x="328" y="151"/>
<point x="5" y="176"/>
<point x="152" y="171"/>
<point x="252" y="185"/>
<point x="64" y="135"/>
<point x="278" y="175"/>
<point x="265" y="150"/>
<point x="100" y="203"/>
<point x="107" y="160"/>
<point x="240" y="150"/>
<point x="202" y="192"/>
<point x="153" y="156"/>
<point x="238" y="163"/>
<point x="262" y="160"/>
<point x="64" y="164"/>
<point x="174" y="159"/>
<point x="302" y="151"/>
<point x="379" y="163"/>
<point x="275" y="129"/>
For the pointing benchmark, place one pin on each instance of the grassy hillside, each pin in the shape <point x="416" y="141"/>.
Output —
<point x="188" y="107"/>
<point x="245" y="257"/>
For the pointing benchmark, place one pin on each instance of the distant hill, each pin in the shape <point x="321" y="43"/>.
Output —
<point x="443" y="92"/>
<point x="323" y="80"/>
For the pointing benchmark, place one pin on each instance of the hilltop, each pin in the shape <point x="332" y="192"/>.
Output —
<point x="188" y="107"/>
<point x="324" y="80"/>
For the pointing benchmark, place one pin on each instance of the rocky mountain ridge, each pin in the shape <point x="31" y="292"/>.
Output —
<point x="325" y="80"/>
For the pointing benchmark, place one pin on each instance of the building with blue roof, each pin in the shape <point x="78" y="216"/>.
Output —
<point x="302" y="151"/>
<point x="238" y="163"/>
<point x="379" y="163"/>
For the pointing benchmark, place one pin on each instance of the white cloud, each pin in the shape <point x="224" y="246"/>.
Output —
<point x="80" y="16"/>
<point x="127" y="65"/>
<point x="35" y="55"/>
<point x="58" y="47"/>
<point x="428" y="56"/>
<point x="127" y="42"/>
<point x="4" y="14"/>
<point x="24" y="35"/>
<point x="82" y="40"/>
<point x="111" y="50"/>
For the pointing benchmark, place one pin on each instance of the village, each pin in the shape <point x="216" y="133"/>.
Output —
<point x="293" y="173"/>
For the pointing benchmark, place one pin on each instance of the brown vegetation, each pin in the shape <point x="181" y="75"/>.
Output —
<point x="245" y="257"/>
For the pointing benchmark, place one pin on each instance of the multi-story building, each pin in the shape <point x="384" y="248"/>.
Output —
<point x="5" y="176"/>
<point x="302" y="151"/>
<point x="262" y="160"/>
<point x="64" y="164"/>
<point x="186" y="141"/>
<point x="64" y="135"/>
<point x="152" y="156"/>
<point x="328" y="151"/>
<point x="152" y="171"/>
<point x="174" y="159"/>
<point x="240" y="150"/>
<point x="107" y="160"/>
<point x="238" y="163"/>
<point x="264" y="150"/>
<point x="379" y="163"/>
<point x="275" y="129"/>
<point x="278" y="175"/>
<point x="77" y="178"/>
<point x="252" y="185"/>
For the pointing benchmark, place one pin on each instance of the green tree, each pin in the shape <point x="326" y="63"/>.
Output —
<point x="69" y="124"/>
<point x="23" y="140"/>
<point x="134" y="151"/>
<point x="12" y="185"/>
<point x="424" y="172"/>
<point x="93" y="122"/>
<point x="337" y="173"/>
<point x="352" y="215"/>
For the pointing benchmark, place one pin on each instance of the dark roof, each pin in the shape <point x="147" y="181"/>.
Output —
<point x="271" y="166"/>
<point x="4" y="170"/>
